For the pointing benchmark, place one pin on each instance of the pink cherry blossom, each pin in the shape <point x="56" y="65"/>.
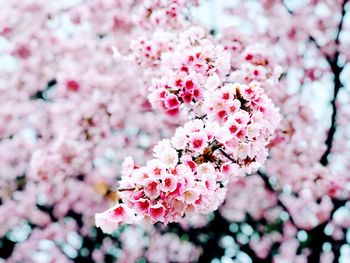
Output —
<point x="157" y="212"/>
<point x="113" y="217"/>
<point x="152" y="188"/>
<point x="169" y="183"/>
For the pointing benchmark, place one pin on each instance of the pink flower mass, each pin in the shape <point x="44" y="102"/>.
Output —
<point x="174" y="131"/>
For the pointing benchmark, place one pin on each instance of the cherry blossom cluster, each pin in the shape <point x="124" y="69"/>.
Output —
<point x="231" y="127"/>
<point x="165" y="189"/>
<point x="189" y="171"/>
<point x="184" y="69"/>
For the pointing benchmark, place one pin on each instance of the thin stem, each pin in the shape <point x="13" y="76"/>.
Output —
<point x="126" y="189"/>
<point x="226" y="155"/>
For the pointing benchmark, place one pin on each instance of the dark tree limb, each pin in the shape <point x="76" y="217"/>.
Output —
<point x="336" y="70"/>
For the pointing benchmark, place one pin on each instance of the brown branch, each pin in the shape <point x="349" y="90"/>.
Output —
<point x="226" y="155"/>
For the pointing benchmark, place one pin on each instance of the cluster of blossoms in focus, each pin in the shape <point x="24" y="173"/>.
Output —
<point x="230" y="126"/>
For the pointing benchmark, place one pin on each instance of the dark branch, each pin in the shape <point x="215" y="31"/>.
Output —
<point x="336" y="70"/>
<point x="269" y="186"/>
